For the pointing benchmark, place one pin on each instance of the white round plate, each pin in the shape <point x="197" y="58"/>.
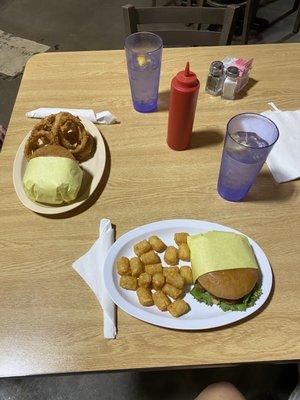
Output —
<point x="200" y="316"/>
<point x="93" y="171"/>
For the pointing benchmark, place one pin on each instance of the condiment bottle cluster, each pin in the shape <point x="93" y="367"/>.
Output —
<point x="222" y="82"/>
<point x="228" y="77"/>
<point x="225" y="78"/>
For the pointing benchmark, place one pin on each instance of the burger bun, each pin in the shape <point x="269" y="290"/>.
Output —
<point x="230" y="284"/>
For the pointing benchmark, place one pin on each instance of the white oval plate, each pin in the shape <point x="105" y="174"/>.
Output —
<point x="93" y="171"/>
<point x="200" y="316"/>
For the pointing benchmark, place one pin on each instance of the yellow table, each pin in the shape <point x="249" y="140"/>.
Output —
<point x="50" y="321"/>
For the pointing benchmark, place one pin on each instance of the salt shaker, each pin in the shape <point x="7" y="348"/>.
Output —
<point x="215" y="79"/>
<point x="230" y="83"/>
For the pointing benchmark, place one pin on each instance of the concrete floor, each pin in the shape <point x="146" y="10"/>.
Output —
<point x="72" y="25"/>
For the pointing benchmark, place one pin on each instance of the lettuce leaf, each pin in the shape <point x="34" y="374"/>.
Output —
<point x="242" y="305"/>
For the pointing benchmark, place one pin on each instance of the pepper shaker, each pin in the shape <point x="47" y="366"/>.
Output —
<point x="230" y="83"/>
<point x="215" y="79"/>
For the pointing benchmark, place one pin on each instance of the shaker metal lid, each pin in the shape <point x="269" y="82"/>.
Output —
<point x="233" y="72"/>
<point x="216" y="68"/>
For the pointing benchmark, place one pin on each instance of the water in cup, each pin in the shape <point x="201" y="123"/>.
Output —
<point x="240" y="164"/>
<point x="144" y="80"/>
<point x="143" y="54"/>
<point x="249" y="139"/>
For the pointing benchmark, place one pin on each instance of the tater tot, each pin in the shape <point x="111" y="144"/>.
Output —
<point x="142" y="247"/>
<point x="128" y="282"/>
<point x="171" y="255"/>
<point x="180" y="238"/>
<point x="175" y="280"/>
<point x="170" y="270"/>
<point x="161" y="300"/>
<point x="178" y="308"/>
<point x="186" y="273"/>
<point x="150" y="258"/>
<point x="157" y="244"/>
<point x="153" y="269"/>
<point x="123" y="266"/>
<point x="158" y="281"/>
<point x="136" y="266"/>
<point x="171" y="291"/>
<point x="144" y="280"/>
<point x="184" y="252"/>
<point x="145" y="296"/>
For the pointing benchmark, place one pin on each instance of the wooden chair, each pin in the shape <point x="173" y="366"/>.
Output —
<point x="133" y="17"/>
<point x="294" y="8"/>
<point x="297" y="21"/>
<point x="248" y="6"/>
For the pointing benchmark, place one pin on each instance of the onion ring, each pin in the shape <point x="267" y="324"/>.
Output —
<point x="45" y="124"/>
<point x="37" y="140"/>
<point x="86" y="151"/>
<point x="72" y="135"/>
<point x="62" y="129"/>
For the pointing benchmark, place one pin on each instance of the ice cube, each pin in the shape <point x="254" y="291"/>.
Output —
<point x="249" y="139"/>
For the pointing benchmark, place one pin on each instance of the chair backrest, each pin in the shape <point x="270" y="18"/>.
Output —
<point x="133" y="17"/>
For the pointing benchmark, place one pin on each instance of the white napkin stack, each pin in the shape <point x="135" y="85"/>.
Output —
<point x="90" y="268"/>
<point x="104" y="117"/>
<point x="284" y="158"/>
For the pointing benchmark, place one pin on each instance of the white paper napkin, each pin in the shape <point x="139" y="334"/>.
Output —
<point x="103" y="117"/>
<point x="284" y="158"/>
<point x="90" y="268"/>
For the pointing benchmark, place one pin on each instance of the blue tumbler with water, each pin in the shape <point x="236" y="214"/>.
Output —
<point x="249" y="139"/>
<point x="143" y="55"/>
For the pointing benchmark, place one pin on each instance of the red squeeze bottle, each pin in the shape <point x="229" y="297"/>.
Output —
<point x="183" y="101"/>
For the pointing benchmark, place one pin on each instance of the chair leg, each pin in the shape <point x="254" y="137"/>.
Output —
<point x="247" y="20"/>
<point x="296" y="5"/>
<point x="297" y="22"/>
<point x="202" y="3"/>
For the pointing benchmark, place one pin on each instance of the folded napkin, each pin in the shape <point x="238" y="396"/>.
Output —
<point x="104" y="117"/>
<point x="284" y="159"/>
<point x="90" y="268"/>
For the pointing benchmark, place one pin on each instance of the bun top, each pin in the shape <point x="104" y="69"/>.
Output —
<point x="53" y="150"/>
<point x="230" y="284"/>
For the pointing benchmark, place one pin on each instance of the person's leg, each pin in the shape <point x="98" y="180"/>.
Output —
<point x="220" y="391"/>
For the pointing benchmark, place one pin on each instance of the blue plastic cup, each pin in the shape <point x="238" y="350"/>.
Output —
<point x="249" y="139"/>
<point x="143" y="54"/>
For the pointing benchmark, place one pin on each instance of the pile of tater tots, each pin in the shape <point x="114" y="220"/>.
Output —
<point x="154" y="283"/>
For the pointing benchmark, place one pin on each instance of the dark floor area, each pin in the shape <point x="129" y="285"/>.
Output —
<point x="257" y="382"/>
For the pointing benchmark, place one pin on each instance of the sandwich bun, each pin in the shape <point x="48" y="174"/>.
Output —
<point x="230" y="284"/>
<point x="52" y="150"/>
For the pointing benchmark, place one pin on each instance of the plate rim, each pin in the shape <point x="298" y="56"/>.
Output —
<point x="54" y="210"/>
<point x="228" y="318"/>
